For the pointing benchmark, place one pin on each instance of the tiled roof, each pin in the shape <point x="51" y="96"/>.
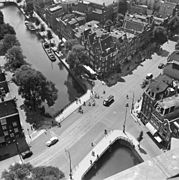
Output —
<point x="173" y="57"/>
<point x="7" y="108"/>
<point x="134" y="25"/>
<point x="160" y="84"/>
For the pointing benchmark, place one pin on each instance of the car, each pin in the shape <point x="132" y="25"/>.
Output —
<point x="161" y="66"/>
<point x="108" y="101"/>
<point x="149" y="76"/>
<point x="52" y="141"/>
<point x="26" y="154"/>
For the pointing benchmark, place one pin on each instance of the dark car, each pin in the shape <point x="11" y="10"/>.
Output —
<point x="108" y="101"/>
<point x="26" y="154"/>
<point x="161" y="66"/>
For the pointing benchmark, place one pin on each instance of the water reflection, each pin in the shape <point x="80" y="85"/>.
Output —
<point x="116" y="159"/>
<point x="32" y="49"/>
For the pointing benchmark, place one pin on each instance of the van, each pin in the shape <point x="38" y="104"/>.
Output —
<point x="108" y="101"/>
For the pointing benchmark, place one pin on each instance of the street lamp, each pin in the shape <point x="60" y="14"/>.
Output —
<point x="124" y="125"/>
<point x="69" y="156"/>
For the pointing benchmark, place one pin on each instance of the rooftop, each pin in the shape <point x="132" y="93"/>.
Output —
<point x="101" y="2"/>
<point x="8" y="108"/>
<point x="54" y="8"/>
<point x="160" y="84"/>
<point x="169" y="102"/>
<point x="134" y="25"/>
<point x="173" y="57"/>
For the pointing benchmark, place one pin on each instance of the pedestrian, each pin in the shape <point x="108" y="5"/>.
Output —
<point x="91" y="162"/>
<point x="80" y="101"/>
<point x="45" y="132"/>
<point x="93" y="153"/>
<point x="59" y="124"/>
<point x="32" y="128"/>
<point x="92" y="144"/>
<point x="84" y="104"/>
<point x="127" y="96"/>
<point x="105" y="132"/>
<point x="104" y="92"/>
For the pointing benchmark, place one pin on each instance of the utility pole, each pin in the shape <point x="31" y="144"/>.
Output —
<point x="69" y="156"/>
<point x="124" y="125"/>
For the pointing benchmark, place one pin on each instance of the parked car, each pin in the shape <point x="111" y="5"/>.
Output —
<point x="161" y="66"/>
<point x="27" y="154"/>
<point x="52" y="141"/>
<point x="108" y="101"/>
<point x="149" y="76"/>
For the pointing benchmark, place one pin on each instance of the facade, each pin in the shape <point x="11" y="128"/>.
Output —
<point x="158" y="88"/>
<point x="100" y="10"/>
<point x="52" y="12"/>
<point x="10" y="127"/>
<point x="66" y="24"/>
<point x="172" y="67"/>
<point x="165" y="118"/>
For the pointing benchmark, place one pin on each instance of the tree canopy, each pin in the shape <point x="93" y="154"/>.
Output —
<point x="6" y="29"/>
<point x="14" y="58"/>
<point x="27" y="172"/>
<point x="173" y="24"/>
<point x="1" y="18"/>
<point x="9" y="41"/>
<point x="159" y="35"/>
<point x="34" y="87"/>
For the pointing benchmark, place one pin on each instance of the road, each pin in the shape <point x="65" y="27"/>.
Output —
<point x="79" y="130"/>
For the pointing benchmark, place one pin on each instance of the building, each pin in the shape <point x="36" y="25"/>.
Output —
<point x="164" y="122"/>
<point x="67" y="23"/>
<point x="52" y="12"/>
<point x="40" y="6"/>
<point x="10" y="127"/>
<point x="157" y="89"/>
<point x="172" y="67"/>
<point x="166" y="9"/>
<point x="100" y="10"/>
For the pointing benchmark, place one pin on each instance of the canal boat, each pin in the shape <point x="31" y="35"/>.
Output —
<point x="49" y="51"/>
<point x="30" y="26"/>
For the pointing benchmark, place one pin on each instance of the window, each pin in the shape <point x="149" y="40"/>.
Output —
<point x="14" y="124"/>
<point x="3" y="121"/>
<point x="4" y="127"/>
<point x="6" y="133"/>
<point x="167" y="111"/>
<point x="16" y="130"/>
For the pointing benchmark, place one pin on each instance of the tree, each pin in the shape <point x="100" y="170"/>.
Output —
<point x="9" y="41"/>
<point x="108" y="25"/>
<point x="70" y="43"/>
<point x="119" y="20"/>
<point x="29" y="8"/>
<point x="37" y="21"/>
<point x="27" y="172"/>
<point x="6" y="29"/>
<point x="1" y="18"/>
<point x="17" y="171"/>
<point x="159" y="35"/>
<point x="122" y="7"/>
<point x="173" y="24"/>
<point x="49" y="35"/>
<point x="42" y="28"/>
<point x="34" y="88"/>
<point x="14" y="58"/>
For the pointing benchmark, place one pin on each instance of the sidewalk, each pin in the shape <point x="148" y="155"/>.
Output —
<point x="99" y="149"/>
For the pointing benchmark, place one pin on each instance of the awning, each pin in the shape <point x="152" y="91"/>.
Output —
<point x="151" y="128"/>
<point x="158" y="139"/>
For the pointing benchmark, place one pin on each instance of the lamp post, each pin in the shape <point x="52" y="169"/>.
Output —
<point x="69" y="156"/>
<point x="124" y="125"/>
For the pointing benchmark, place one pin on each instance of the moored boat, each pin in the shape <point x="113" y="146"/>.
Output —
<point x="49" y="51"/>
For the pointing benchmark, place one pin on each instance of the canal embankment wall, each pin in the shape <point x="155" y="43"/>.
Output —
<point x="92" y="157"/>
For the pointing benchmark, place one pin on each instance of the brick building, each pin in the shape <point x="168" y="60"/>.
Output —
<point x="51" y="13"/>
<point x="100" y="10"/>
<point x="67" y="23"/>
<point x="164" y="122"/>
<point x="10" y="126"/>
<point x="158" y="88"/>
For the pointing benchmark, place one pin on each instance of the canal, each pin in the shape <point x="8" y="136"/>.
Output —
<point x="68" y="89"/>
<point x="120" y="156"/>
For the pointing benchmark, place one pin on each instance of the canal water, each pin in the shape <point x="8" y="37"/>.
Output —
<point x="119" y="157"/>
<point x="68" y="88"/>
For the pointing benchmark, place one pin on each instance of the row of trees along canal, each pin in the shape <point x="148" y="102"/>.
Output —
<point x="35" y="90"/>
<point x="33" y="85"/>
